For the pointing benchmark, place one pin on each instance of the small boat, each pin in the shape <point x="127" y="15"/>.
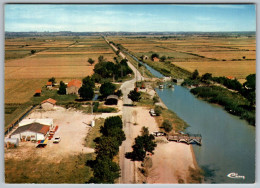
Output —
<point x="171" y="86"/>
<point x="160" y="86"/>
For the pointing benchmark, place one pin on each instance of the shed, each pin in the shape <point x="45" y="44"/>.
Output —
<point x="48" y="104"/>
<point x="49" y="85"/>
<point x="14" y="141"/>
<point x="111" y="100"/>
<point x="73" y="87"/>
<point x="145" y="57"/>
<point x="155" y="59"/>
<point x="38" y="92"/>
<point x="33" y="131"/>
<point x="45" y="121"/>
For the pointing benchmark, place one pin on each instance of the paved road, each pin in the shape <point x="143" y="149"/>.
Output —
<point x="127" y="166"/>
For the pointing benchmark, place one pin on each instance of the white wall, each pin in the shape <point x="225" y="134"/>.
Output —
<point x="47" y="106"/>
<point x="38" y="136"/>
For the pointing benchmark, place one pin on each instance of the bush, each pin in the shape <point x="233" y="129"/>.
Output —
<point x="155" y="99"/>
<point x="158" y="110"/>
<point x="167" y="125"/>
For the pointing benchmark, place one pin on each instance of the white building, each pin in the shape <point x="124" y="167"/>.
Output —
<point x="48" y="104"/>
<point x="33" y="131"/>
<point x="46" y="121"/>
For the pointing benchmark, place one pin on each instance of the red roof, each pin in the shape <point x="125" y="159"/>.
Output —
<point x="38" y="91"/>
<point x="49" y="100"/>
<point x="76" y="83"/>
<point x="230" y="77"/>
<point x="44" y="129"/>
<point x="49" y="84"/>
<point x="155" y="59"/>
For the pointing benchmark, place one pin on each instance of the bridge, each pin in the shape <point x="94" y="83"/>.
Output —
<point x="186" y="138"/>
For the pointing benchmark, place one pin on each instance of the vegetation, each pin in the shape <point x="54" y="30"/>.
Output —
<point x="86" y="92"/>
<point x="91" y="61"/>
<point x="144" y="143"/>
<point x="106" y="148"/>
<point x="154" y="55"/>
<point x="167" y="126"/>
<point x="134" y="95"/>
<point x="62" y="88"/>
<point x="52" y="80"/>
<point x="158" y="110"/>
<point x="107" y="89"/>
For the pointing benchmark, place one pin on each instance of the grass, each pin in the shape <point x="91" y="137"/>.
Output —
<point x="71" y="169"/>
<point x="94" y="133"/>
<point x="195" y="175"/>
<point x="145" y="100"/>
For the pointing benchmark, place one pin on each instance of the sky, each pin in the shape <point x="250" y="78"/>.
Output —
<point x="131" y="18"/>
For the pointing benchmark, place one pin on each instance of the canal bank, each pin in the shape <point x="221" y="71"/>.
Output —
<point x="228" y="144"/>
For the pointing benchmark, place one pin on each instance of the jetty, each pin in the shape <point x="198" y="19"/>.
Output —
<point x="186" y="138"/>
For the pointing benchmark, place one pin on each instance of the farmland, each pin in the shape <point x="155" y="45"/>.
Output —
<point x="230" y="55"/>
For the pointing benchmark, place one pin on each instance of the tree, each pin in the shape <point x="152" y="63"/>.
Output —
<point x="206" y="76"/>
<point x="249" y="89"/>
<point x="250" y="81"/>
<point x="52" y="79"/>
<point x="107" y="89"/>
<point x="104" y="170"/>
<point x="91" y="61"/>
<point x="143" y="144"/>
<point x="158" y="110"/>
<point x="101" y="59"/>
<point x="134" y="95"/>
<point x="119" y="93"/>
<point x="155" y="99"/>
<point x="33" y="51"/>
<point x="108" y="146"/>
<point x="62" y="88"/>
<point x="167" y="126"/>
<point x="163" y="58"/>
<point x="154" y="55"/>
<point x="195" y="75"/>
<point x="86" y="92"/>
<point x="88" y="81"/>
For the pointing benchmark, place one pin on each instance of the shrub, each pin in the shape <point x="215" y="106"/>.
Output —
<point x="167" y="125"/>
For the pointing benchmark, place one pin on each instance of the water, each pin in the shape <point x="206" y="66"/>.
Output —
<point x="228" y="143"/>
<point x="154" y="72"/>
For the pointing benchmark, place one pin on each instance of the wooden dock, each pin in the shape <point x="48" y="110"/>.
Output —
<point x="186" y="138"/>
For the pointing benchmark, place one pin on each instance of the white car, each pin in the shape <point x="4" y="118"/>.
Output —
<point x="152" y="112"/>
<point x="57" y="139"/>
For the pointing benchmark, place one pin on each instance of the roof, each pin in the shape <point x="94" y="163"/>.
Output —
<point x="33" y="127"/>
<point x="49" y="100"/>
<point x="46" y="121"/>
<point x="49" y="84"/>
<point x="76" y="83"/>
<point x="38" y="91"/>
<point x="230" y="77"/>
<point x="155" y="58"/>
<point x="112" y="97"/>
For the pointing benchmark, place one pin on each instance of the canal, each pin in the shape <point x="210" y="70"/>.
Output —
<point x="228" y="143"/>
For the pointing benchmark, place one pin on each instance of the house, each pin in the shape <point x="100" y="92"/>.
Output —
<point x="38" y="92"/>
<point x="49" y="85"/>
<point x="45" y="121"/>
<point x="73" y="87"/>
<point x="48" y="104"/>
<point x="33" y="131"/>
<point x="155" y="59"/>
<point x="111" y="100"/>
<point x="230" y="77"/>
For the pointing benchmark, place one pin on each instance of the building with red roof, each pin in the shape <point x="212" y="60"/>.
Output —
<point x="48" y="104"/>
<point x="73" y="87"/>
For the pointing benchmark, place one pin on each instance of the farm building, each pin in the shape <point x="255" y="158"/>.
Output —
<point x="145" y="57"/>
<point x="111" y="100"/>
<point x="155" y="59"/>
<point x="12" y="141"/>
<point x="46" y="121"/>
<point x="48" y="104"/>
<point x="73" y="87"/>
<point x="49" y="85"/>
<point x="33" y="131"/>
<point x="231" y="77"/>
<point x="37" y="92"/>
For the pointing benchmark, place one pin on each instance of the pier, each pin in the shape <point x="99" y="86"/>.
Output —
<point x="186" y="138"/>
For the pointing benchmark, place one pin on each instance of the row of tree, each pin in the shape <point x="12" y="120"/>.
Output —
<point x="107" y="147"/>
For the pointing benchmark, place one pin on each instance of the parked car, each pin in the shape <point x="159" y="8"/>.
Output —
<point x="152" y="112"/>
<point x="57" y="139"/>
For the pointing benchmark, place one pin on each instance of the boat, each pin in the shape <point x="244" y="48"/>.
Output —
<point x="160" y="86"/>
